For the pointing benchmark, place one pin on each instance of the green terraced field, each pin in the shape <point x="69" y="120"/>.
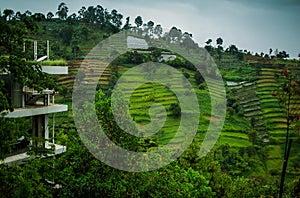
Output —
<point x="255" y="99"/>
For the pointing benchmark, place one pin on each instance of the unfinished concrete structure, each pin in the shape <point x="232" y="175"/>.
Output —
<point x="39" y="106"/>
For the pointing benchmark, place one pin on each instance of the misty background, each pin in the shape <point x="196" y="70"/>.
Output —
<point x="256" y="25"/>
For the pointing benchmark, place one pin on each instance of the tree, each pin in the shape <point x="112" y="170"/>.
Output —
<point x="270" y="51"/>
<point x="282" y="54"/>
<point x="116" y="18"/>
<point x="50" y="15"/>
<point x="72" y="19"/>
<point x="81" y="12"/>
<point x="175" y="34"/>
<point x="187" y="41"/>
<point x="219" y="47"/>
<point x="85" y="32"/>
<point x="27" y="73"/>
<point x="101" y="15"/>
<point x="219" y="41"/>
<point x="232" y="49"/>
<point x="65" y="91"/>
<point x="38" y="17"/>
<point x="198" y="78"/>
<point x="66" y="34"/>
<point x="8" y="14"/>
<point x="18" y="16"/>
<point x="89" y="15"/>
<point x="288" y="89"/>
<point x="158" y="30"/>
<point x="25" y="181"/>
<point x="127" y="24"/>
<point x="138" y="21"/>
<point x="28" y="13"/>
<point x="150" y="24"/>
<point x="175" y="109"/>
<point x="208" y="42"/>
<point x="62" y="11"/>
<point x="208" y="46"/>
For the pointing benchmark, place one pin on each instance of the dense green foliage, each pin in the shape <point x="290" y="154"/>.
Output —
<point x="245" y="162"/>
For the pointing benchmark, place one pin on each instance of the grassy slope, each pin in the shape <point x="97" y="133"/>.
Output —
<point x="235" y="129"/>
<point x="275" y="120"/>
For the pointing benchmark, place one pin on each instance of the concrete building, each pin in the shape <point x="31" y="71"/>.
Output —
<point x="39" y="106"/>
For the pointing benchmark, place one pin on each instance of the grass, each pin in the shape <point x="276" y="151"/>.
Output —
<point x="274" y="152"/>
<point x="59" y="62"/>
<point x="274" y="165"/>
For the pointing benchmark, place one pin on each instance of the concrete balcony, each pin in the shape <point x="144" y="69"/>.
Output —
<point x="23" y="157"/>
<point x="33" y="110"/>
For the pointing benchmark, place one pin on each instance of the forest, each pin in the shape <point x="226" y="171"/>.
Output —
<point x="255" y="155"/>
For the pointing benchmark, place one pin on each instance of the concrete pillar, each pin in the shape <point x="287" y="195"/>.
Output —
<point x="17" y="94"/>
<point x="46" y="133"/>
<point x="35" y="53"/>
<point x="48" y="50"/>
<point x="38" y="129"/>
<point x="53" y="127"/>
<point x="48" y="99"/>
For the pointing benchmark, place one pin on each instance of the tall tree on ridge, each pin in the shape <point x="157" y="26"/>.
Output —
<point x="8" y="14"/>
<point x="219" y="41"/>
<point x="127" y="24"/>
<point x="138" y="21"/>
<point x="62" y="11"/>
<point x="50" y="15"/>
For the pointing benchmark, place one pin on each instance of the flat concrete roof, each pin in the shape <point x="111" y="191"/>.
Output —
<point x="55" y="69"/>
<point x="34" y="110"/>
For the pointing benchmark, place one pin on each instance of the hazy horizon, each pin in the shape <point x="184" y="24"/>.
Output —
<point x="255" y="26"/>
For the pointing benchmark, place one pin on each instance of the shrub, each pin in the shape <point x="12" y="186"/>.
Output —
<point x="175" y="109"/>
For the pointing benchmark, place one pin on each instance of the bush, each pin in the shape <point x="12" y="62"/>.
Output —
<point x="186" y="75"/>
<point x="198" y="78"/>
<point x="202" y="86"/>
<point x="175" y="109"/>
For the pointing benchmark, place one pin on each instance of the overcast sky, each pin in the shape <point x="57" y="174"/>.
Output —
<point x="255" y="25"/>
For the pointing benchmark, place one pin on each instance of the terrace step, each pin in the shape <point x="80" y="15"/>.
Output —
<point x="253" y="114"/>
<point x="248" y="99"/>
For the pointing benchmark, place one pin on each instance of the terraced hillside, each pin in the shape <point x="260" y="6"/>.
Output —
<point x="249" y="101"/>
<point x="234" y="133"/>
<point x="235" y="129"/>
<point x="261" y="111"/>
<point x="273" y="112"/>
<point x="275" y="118"/>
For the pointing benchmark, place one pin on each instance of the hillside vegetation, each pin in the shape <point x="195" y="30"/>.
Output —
<point x="247" y="159"/>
